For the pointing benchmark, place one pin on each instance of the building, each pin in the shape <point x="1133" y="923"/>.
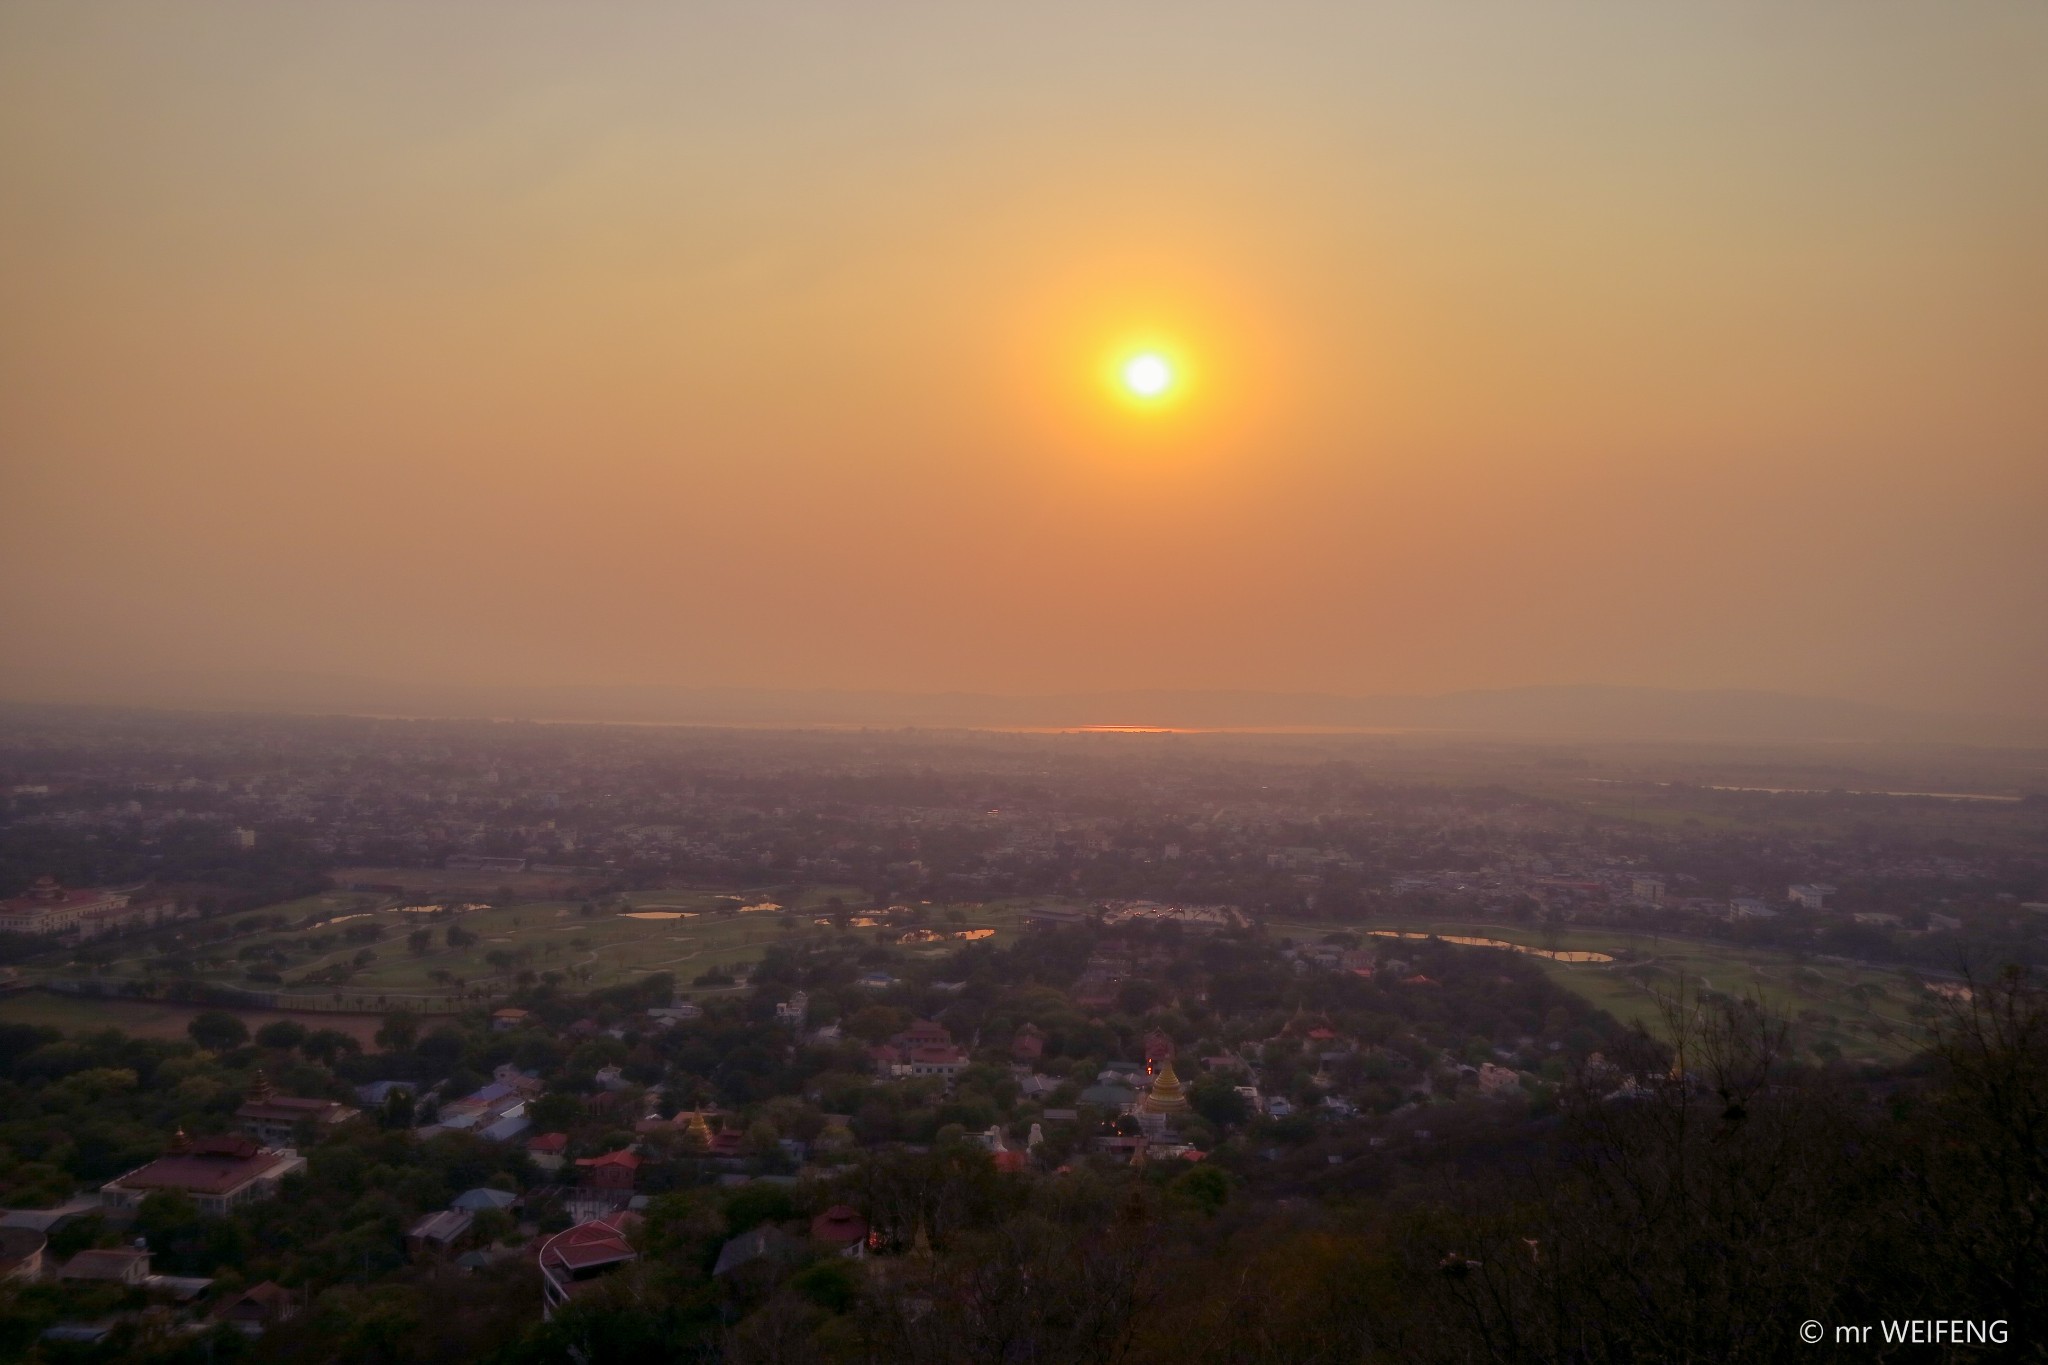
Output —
<point x="526" y="1083"/>
<point x="1646" y="890"/>
<point x="505" y="1020"/>
<point x="478" y="862"/>
<point x="612" y="1171"/>
<point x="571" y="1261"/>
<point x="926" y="1048"/>
<point x="1496" y="1082"/>
<point x="120" y="1265"/>
<point x="841" y="1228"/>
<point x="21" y="1253"/>
<point x="49" y="908"/>
<point x="1810" y="895"/>
<point x="944" y="1061"/>
<point x="218" y="1173"/>
<point x="1028" y="1044"/>
<point x="377" y="1092"/>
<point x="765" y="1245"/>
<point x="548" y="1150"/>
<point x="496" y="1111"/>
<point x="273" y="1119"/>
<point x="258" y="1307"/>
<point x="925" y="1033"/>
<point x="483" y="1199"/>
<point x="438" y="1234"/>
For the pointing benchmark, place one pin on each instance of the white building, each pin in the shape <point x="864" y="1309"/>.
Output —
<point x="48" y="908"/>
<point x="1811" y="895"/>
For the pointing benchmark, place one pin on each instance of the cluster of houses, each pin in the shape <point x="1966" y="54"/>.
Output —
<point x="222" y="1172"/>
<point x="56" y="911"/>
<point x="218" y="1173"/>
<point x="251" y="1311"/>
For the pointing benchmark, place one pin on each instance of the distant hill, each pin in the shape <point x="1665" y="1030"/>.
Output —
<point x="1589" y="711"/>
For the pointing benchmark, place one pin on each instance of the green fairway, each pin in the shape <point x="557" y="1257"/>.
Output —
<point x="357" y="955"/>
<point x="1863" y="1011"/>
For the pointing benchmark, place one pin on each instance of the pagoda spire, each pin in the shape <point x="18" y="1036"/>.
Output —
<point x="1168" y="1095"/>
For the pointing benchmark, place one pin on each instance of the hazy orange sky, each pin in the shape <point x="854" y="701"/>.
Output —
<point x="762" y="343"/>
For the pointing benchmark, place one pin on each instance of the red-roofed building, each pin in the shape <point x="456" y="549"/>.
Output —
<point x="548" y="1150"/>
<point x="924" y="1049"/>
<point x="612" y="1171"/>
<point x="925" y="1033"/>
<point x="218" y="1173"/>
<point x="841" y="1226"/>
<point x="570" y="1261"/>
<point x="49" y="908"/>
<point x="1028" y="1044"/>
<point x="269" y="1117"/>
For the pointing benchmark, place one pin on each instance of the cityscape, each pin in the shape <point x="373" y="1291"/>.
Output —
<point x="804" y="683"/>
<point x="829" y="1040"/>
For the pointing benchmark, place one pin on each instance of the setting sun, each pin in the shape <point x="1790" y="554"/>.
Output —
<point x="1147" y="375"/>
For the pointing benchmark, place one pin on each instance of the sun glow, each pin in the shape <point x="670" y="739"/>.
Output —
<point x="1148" y="375"/>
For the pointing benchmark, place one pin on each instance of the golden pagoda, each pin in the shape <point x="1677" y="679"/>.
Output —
<point x="697" y="1133"/>
<point x="1167" y="1096"/>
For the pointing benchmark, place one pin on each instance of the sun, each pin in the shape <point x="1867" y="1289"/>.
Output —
<point x="1147" y="374"/>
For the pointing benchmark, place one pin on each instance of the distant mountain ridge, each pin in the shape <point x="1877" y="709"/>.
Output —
<point x="1590" y="711"/>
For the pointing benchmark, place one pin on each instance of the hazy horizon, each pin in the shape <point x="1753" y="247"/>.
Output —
<point x="763" y="347"/>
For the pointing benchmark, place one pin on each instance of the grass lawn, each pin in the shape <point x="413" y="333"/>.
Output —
<point x="686" y="932"/>
<point x="1850" y="1007"/>
<point x="154" y="1019"/>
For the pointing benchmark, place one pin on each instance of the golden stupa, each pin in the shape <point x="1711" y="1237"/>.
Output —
<point x="1167" y="1096"/>
<point x="697" y="1133"/>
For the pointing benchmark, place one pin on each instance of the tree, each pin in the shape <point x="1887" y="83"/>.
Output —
<point x="1217" y="1100"/>
<point x="443" y="1047"/>
<point x="217" y="1030"/>
<point x="876" y="1022"/>
<point x="327" y="1044"/>
<point x="400" y="1031"/>
<point x="419" y="940"/>
<point x="1205" y="1188"/>
<point x="556" y="1111"/>
<point x="398" y="1110"/>
<point x="281" y="1033"/>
